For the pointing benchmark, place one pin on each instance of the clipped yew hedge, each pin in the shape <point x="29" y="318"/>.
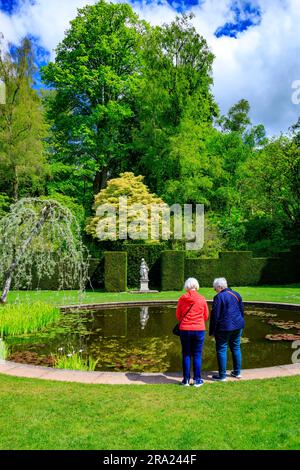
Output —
<point x="241" y="269"/>
<point x="172" y="270"/>
<point x="115" y="271"/>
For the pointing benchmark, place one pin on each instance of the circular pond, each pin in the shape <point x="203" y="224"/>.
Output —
<point x="140" y="339"/>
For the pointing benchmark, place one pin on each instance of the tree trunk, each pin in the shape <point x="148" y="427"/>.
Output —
<point x="100" y="180"/>
<point x="15" y="186"/>
<point x="9" y="274"/>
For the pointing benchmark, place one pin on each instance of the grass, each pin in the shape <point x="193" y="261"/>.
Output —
<point x="261" y="414"/>
<point x="288" y="293"/>
<point x="17" y="319"/>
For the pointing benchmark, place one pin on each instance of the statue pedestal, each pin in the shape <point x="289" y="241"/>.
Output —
<point x="149" y="291"/>
<point x="144" y="288"/>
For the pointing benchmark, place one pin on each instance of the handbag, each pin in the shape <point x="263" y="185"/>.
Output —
<point x="176" y="330"/>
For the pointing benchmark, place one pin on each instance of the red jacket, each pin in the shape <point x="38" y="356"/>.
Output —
<point x="197" y="315"/>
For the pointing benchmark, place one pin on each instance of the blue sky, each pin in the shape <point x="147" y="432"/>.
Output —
<point x="256" y="44"/>
<point x="246" y="14"/>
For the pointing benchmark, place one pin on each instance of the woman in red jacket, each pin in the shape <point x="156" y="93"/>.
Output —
<point x="192" y="313"/>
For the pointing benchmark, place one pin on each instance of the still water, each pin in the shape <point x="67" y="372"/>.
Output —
<point x="140" y="339"/>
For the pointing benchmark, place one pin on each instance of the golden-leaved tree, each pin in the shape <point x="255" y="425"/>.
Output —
<point x="126" y="209"/>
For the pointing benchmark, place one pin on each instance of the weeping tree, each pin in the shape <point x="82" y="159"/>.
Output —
<point x="41" y="238"/>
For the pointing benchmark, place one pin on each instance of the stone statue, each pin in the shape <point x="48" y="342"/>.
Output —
<point x="144" y="286"/>
<point x="144" y="271"/>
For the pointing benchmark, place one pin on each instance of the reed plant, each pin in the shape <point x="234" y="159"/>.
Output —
<point x="74" y="361"/>
<point x="18" y="319"/>
<point x="3" y="350"/>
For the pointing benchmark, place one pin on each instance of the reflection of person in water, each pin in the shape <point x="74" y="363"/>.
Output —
<point x="144" y="271"/>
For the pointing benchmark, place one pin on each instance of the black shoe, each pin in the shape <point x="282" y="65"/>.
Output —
<point x="218" y="378"/>
<point x="236" y="376"/>
<point x="185" y="383"/>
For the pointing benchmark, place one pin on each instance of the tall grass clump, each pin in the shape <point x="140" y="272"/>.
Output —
<point x="74" y="361"/>
<point x="18" y="319"/>
<point x="3" y="350"/>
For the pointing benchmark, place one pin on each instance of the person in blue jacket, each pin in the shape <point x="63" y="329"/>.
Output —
<point x="226" y="325"/>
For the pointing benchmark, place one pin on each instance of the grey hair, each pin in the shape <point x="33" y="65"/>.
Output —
<point x="220" y="282"/>
<point x="191" y="283"/>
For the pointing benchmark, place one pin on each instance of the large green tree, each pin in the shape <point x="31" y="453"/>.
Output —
<point x="237" y="119"/>
<point x="261" y="205"/>
<point x="174" y="98"/>
<point x="96" y="71"/>
<point x="22" y="125"/>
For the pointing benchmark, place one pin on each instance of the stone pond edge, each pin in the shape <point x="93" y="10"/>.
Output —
<point x="120" y="378"/>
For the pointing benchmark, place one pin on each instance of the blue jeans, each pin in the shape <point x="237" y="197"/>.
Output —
<point x="192" y="344"/>
<point x="233" y="338"/>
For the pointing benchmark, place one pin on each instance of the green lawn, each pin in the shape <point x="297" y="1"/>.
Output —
<point x="261" y="414"/>
<point x="290" y="293"/>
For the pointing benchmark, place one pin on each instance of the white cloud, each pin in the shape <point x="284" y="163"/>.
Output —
<point x="45" y="19"/>
<point x="260" y="65"/>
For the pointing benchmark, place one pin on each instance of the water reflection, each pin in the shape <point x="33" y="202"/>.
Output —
<point x="144" y="316"/>
<point x="140" y="339"/>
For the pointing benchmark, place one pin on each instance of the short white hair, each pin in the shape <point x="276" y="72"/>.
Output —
<point x="220" y="282"/>
<point x="191" y="283"/>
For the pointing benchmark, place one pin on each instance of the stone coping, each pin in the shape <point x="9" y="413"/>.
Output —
<point x="138" y="303"/>
<point x="120" y="378"/>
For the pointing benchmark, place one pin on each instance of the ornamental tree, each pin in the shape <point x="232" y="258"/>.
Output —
<point x="40" y="235"/>
<point x="124" y="207"/>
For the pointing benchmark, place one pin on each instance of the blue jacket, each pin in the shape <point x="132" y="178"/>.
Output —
<point x="227" y="312"/>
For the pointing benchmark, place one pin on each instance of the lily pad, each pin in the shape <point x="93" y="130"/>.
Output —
<point x="282" y="337"/>
<point x="257" y="313"/>
<point x="285" y="325"/>
<point x="29" y="357"/>
<point x="244" y="340"/>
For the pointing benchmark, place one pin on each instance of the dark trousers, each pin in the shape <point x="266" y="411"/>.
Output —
<point x="192" y="344"/>
<point x="233" y="339"/>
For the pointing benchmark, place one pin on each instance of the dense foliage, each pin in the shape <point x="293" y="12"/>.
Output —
<point x="125" y="96"/>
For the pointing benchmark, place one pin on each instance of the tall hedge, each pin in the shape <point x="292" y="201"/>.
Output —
<point x="115" y="271"/>
<point x="238" y="267"/>
<point x="241" y="269"/>
<point x="152" y="255"/>
<point x="204" y="270"/>
<point x="172" y="270"/>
